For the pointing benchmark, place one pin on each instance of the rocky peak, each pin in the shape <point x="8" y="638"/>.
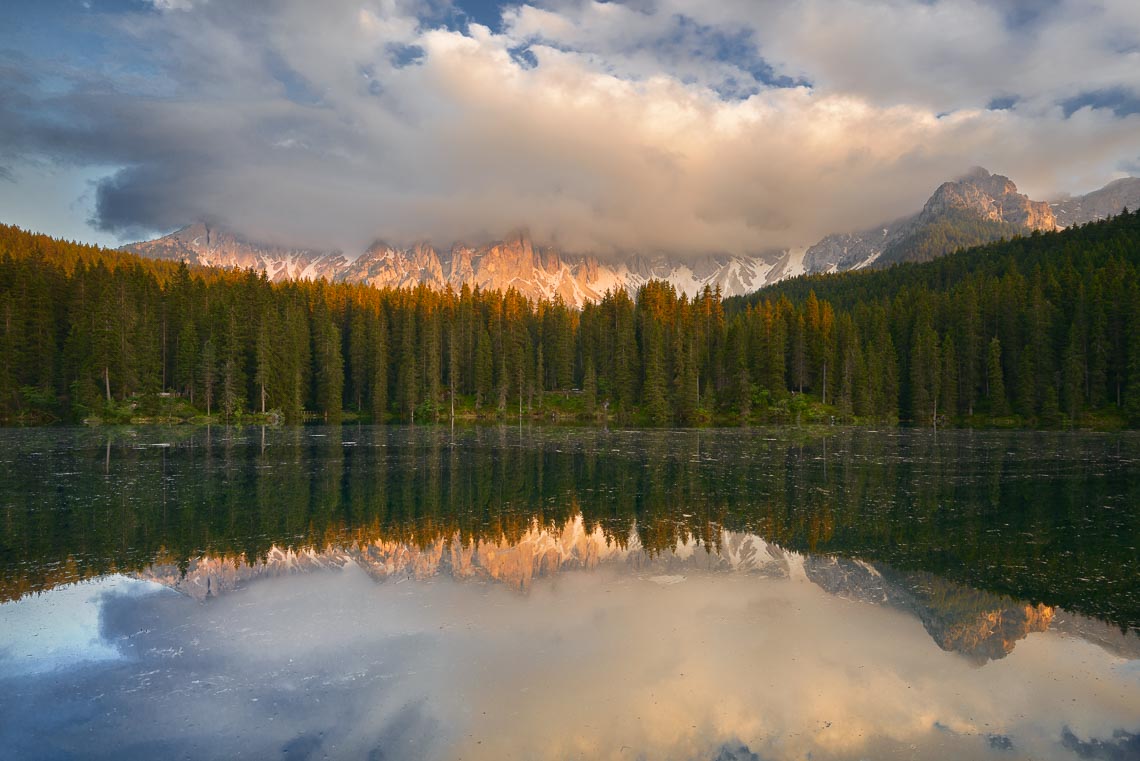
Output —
<point x="991" y="197"/>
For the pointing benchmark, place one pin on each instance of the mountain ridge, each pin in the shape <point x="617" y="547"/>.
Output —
<point x="976" y="208"/>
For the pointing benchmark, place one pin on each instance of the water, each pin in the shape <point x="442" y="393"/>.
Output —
<point x="568" y="593"/>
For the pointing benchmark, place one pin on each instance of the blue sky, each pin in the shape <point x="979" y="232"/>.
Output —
<point x="647" y="125"/>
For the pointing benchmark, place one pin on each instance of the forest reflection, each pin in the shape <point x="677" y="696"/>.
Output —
<point x="1043" y="518"/>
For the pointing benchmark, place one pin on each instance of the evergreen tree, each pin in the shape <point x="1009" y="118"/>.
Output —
<point x="590" y="387"/>
<point x="995" y="381"/>
<point x="379" y="385"/>
<point x="948" y="385"/>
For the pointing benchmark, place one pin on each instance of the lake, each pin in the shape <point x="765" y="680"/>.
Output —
<point x="550" y="592"/>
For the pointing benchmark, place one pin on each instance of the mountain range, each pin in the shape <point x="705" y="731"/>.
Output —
<point x="976" y="208"/>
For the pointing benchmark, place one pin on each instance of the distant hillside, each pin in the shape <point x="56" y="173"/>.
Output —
<point x="1093" y="244"/>
<point x="1099" y="204"/>
<point x="976" y="208"/>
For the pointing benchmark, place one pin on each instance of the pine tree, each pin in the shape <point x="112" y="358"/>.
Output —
<point x="186" y="361"/>
<point x="484" y="369"/>
<point x="590" y="387"/>
<point x="330" y="369"/>
<point x="995" y="382"/>
<point x="925" y="373"/>
<point x="948" y="384"/>
<point x="1074" y="373"/>
<point x="379" y="385"/>
<point x="1132" y="363"/>
<point x="209" y="371"/>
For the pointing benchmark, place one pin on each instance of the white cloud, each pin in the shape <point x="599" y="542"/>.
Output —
<point x="336" y="123"/>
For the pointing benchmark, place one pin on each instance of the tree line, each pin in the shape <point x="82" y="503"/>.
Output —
<point x="1040" y="330"/>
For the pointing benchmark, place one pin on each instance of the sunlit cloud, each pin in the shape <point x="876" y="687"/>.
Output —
<point x="729" y="127"/>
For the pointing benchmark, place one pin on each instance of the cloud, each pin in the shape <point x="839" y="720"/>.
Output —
<point x="733" y="126"/>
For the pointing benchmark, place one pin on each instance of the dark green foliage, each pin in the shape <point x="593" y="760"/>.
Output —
<point x="1030" y="514"/>
<point x="952" y="232"/>
<point x="1040" y="330"/>
<point x="1042" y="327"/>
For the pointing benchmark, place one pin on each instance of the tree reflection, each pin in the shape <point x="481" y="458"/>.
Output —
<point x="1048" y="518"/>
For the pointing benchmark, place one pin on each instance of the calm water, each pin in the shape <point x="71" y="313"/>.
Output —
<point x="360" y="592"/>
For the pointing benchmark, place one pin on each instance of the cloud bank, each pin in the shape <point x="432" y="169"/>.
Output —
<point x="735" y="126"/>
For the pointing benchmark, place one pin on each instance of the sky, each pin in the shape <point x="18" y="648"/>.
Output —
<point x="648" y="126"/>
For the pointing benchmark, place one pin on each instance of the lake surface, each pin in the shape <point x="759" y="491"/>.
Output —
<point x="429" y="593"/>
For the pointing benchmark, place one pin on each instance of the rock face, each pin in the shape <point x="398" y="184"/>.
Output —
<point x="201" y="244"/>
<point x="990" y="197"/>
<point x="539" y="552"/>
<point x="1099" y="204"/>
<point x="851" y="251"/>
<point x="514" y="262"/>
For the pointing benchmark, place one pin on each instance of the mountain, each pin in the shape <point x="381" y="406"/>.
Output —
<point x="976" y="208"/>
<point x="1099" y="204"/>
<point x="537" y="272"/>
<point x="545" y="272"/>
<point x="201" y="244"/>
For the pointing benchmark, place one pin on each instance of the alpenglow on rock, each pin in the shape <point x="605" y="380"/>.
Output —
<point x="537" y="272"/>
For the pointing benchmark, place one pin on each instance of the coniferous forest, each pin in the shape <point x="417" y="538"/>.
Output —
<point x="1041" y="331"/>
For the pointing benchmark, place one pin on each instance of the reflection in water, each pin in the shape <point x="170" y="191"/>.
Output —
<point x="972" y="622"/>
<point x="624" y="661"/>
<point x="1046" y="517"/>
<point x="560" y="593"/>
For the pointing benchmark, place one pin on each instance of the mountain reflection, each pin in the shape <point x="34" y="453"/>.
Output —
<point x="494" y="593"/>
<point x="909" y="519"/>
<point x="978" y="624"/>
<point x="663" y="660"/>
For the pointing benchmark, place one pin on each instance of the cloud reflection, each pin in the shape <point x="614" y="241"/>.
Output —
<point x="612" y="663"/>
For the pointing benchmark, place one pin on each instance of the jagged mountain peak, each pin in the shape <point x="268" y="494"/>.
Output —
<point x="513" y="261"/>
<point x="991" y="197"/>
<point x="977" y="207"/>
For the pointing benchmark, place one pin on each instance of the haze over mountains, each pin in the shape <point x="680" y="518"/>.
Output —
<point x="973" y="209"/>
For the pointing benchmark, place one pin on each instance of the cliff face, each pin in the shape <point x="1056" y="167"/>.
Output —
<point x="989" y="197"/>
<point x="989" y="634"/>
<point x="515" y="262"/>
<point x="979" y="625"/>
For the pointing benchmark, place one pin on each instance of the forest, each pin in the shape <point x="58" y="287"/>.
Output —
<point x="1040" y="331"/>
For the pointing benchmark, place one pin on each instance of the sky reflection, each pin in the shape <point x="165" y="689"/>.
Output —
<point x="630" y="660"/>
